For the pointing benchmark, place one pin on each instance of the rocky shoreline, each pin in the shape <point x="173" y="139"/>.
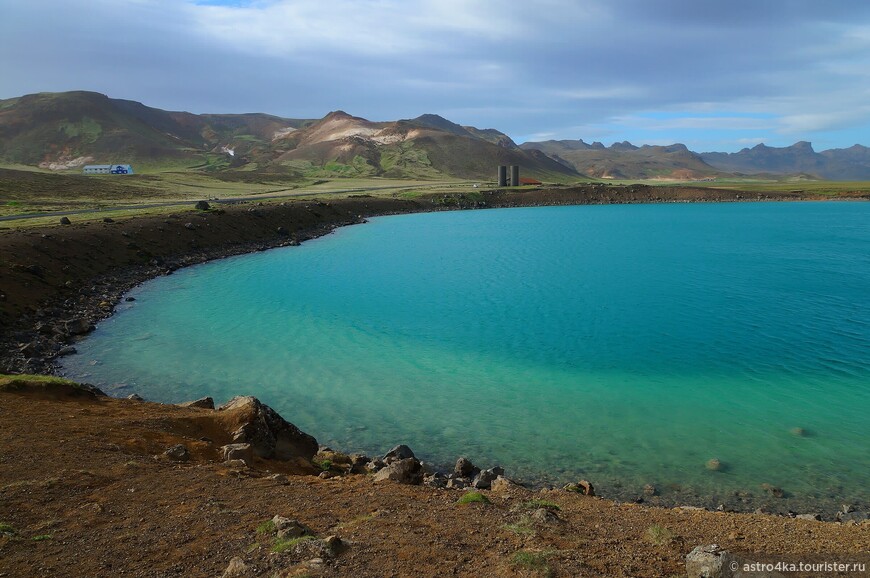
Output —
<point x="57" y="282"/>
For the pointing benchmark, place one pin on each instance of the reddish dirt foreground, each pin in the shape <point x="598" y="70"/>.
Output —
<point x="85" y="491"/>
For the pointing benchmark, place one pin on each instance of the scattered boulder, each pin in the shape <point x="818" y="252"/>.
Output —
<point x="464" y="468"/>
<point x="582" y="487"/>
<point x="816" y="517"/>
<point x="317" y="550"/>
<point x="236" y="569"/>
<point x="375" y="465"/>
<point x="288" y="528"/>
<point x="456" y="483"/>
<point x="852" y="516"/>
<point x="78" y="326"/>
<point x="108" y="220"/>
<point x="483" y="480"/>
<point x="270" y="435"/>
<point x="503" y="484"/>
<point x="135" y="397"/>
<point x="67" y="350"/>
<point x="709" y="562"/>
<point x="359" y="463"/>
<point x="435" y="480"/>
<point x="400" y="452"/>
<point x="403" y="471"/>
<point x="177" y="453"/>
<point x="242" y="452"/>
<point x="129" y="299"/>
<point x="282" y="231"/>
<point x="203" y="402"/>
<point x="65" y="221"/>
<point x="202" y="206"/>
<point x="189" y="226"/>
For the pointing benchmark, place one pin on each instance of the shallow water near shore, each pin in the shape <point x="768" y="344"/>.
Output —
<point x="625" y="344"/>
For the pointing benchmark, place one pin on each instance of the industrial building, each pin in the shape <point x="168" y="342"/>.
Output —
<point x="108" y="170"/>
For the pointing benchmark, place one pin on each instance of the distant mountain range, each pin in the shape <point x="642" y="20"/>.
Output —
<point x="67" y="130"/>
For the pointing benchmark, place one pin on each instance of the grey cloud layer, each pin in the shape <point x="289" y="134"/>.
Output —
<point x="545" y="66"/>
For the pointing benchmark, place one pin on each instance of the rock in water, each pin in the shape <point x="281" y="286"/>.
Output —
<point x="714" y="465"/>
<point x="270" y="435"/>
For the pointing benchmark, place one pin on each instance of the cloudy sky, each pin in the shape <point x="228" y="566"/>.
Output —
<point x="715" y="75"/>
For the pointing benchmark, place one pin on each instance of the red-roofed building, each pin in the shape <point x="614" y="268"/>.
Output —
<point x="528" y="181"/>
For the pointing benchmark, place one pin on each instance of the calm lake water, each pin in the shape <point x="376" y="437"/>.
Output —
<point x="623" y="344"/>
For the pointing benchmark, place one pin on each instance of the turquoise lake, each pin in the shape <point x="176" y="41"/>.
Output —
<point x="624" y="344"/>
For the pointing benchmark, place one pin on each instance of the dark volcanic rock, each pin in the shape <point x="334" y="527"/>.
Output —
<point x="400" y="452"/>
<point x="463" y="468"/>
<point x="78" y="326"/>
<point x="177" y="453"/>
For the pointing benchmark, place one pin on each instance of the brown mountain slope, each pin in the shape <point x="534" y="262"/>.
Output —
<point x="626" y="161"/>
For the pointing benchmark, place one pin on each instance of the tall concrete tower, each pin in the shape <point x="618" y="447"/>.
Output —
<point x="502" y="176"/>
<point x="515" y="175"/>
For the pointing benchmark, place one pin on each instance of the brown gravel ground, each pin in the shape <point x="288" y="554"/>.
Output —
<point x="80" y="475"/>
<point x="85" y="474"/>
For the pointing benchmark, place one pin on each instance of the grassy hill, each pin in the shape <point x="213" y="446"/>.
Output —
<point x="58" y="130"/>
<point x="67" y="130"/>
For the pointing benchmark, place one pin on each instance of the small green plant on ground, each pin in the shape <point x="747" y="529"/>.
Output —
<point x="522" y="527"/>
<point x="283" y="545"/>
<point x="7" y="529"/>
<point x="266" y="527"/>
<point x="323" y="464"/>
<point x="42" y="537"/>
<point x="472" y="498"/>
<point x="659" y="535"/>
<point x="537" y="504"/>
<point x="535" y="561"/>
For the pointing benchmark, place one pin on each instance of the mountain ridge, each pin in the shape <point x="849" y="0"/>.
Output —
<point x="66" y="130"/>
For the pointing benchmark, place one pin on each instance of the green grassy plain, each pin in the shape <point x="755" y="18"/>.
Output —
<point x="29" y="190"/>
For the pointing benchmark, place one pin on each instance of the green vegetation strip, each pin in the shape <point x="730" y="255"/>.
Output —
<point x="279" y="545"/>
<point x="473" y="498"/>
